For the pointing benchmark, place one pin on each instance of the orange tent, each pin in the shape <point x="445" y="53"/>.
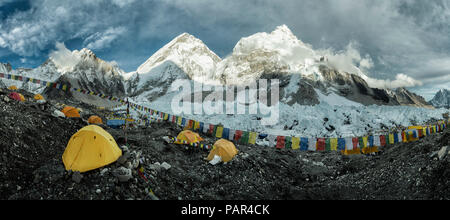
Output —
<point x="189" y="136"/>
<point x="38" y="97"/>
<point x="71" y="112"/>
<point x="94" y="119"/>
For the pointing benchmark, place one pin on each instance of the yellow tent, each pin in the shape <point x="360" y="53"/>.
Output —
<point x="94" y="119"/>
<point x="189" y="136"/>
<point x="90" y="148"/>
<point x="12" y="87"/>
<point x="38" y="97"/>
<point x="351" y="152"/>
<point x="410" y="135"/>
<point x="224" y="149"/>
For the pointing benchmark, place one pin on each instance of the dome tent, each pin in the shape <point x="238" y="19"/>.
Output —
<point x="71" y="112"/>
<point x="38" y="97"/>
<point x="189" y="136"/>
<point x="94" y="119"/>
<point x="223" y="148"/>
<point x="16" y="96"/>
<point x="90" y="148"/>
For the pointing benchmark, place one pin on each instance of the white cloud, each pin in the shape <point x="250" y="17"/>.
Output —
<point x="102" y="40"/>
<point x="122" y="3"/>
<point x="63" y="58"/>
<point x="401" y="80"/>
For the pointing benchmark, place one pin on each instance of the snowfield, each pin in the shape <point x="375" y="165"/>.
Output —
<point x="330" y="118"/>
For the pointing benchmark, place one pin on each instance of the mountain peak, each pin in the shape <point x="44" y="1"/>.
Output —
<point x="188" y="53"/>
<point x="441" y="99"/>
<point x="283" y="30"/>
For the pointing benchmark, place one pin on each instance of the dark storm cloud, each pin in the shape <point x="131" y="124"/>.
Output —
<point x="400" y="36"/>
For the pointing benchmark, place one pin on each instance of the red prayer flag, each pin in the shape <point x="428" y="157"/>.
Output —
<point x="237" y="135"/>
<point x="320" y="144"/>
<point x="211" y="129"/>
<point x="280" y="142"/>
<point x="355" y="143"/>
<point x="382" y="140"/>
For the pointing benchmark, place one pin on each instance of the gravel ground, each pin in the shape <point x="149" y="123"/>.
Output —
<point x="32" y="142"/>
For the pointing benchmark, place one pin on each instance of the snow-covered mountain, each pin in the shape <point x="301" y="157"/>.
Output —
<point x="190" y="54"/>
<point x="89" y="73"/>
<point x="441" y="99"/>
<point x="47" y="71"/>
<point x="305" y="75"/>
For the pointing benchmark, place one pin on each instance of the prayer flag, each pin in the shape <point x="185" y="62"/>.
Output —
<point x="219" y="131"/>
<point x="320" y="144"/>
<point x="280" y="142"/>
<point x="304" y="144"/>
<point x="382" y="140"/>
<point x="391" y="139"/>
<point x="355" y="142"/>
<point x="288" y="142"/>
<point x="237" y="135"/>
<point x="341" y="144"/>
<point x="231" y="134"/>
<point x="295" y="143"/>
<point x="226" y="133"/>
<point x="244" y="138"/>
<point x="252" y="138"/>
<point x="312" y="144"/>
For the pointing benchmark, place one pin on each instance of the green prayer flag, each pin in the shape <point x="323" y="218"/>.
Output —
<point x="327" y="144"/>
<point x="245" y="137"/>
<point x="288" y="142"/>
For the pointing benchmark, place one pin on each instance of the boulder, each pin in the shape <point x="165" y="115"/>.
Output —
<point x="166" y="165"/>
<point x="442" y="153"/>
<point x="123" y="174"/>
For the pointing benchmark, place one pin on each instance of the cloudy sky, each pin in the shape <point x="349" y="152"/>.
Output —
<point x="402" y="38"/>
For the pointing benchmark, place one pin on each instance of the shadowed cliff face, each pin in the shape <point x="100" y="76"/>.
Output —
<point x="441" y="99"/>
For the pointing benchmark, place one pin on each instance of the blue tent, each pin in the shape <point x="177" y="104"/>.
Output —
<point x="115" y="123"/>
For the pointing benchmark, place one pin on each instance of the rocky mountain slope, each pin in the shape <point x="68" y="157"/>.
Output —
<point x="441" y="99"/>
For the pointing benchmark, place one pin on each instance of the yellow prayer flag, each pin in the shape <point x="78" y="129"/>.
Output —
<point x="391" y="138"/>
<point x="252" y="138"/>
<point x="219" y="132"/>
<point x="179" y="121"/>
<point x="364" y="142"/>
<point x="295" y="143"/>
<point x="196" y="125"/>
<point x="333" y="144"/>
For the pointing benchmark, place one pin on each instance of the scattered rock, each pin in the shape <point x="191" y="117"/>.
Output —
<point x="156" y="166"/>
<point x="167" y="139"/>
<point x="57" y="114"/>
<point x="76" y="177"/>
<point x="166" y="166"/>
<point x="123" y="159"/>
<point x="123" y="174"/>
<point x="442" y="153"/>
